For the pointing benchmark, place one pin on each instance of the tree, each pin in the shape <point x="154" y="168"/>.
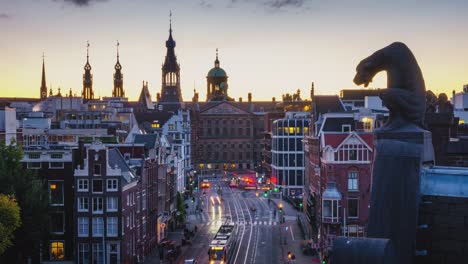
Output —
<point x="9" y="220"/>
<point x="31" y="195"/>
<point x="181" y="208"/>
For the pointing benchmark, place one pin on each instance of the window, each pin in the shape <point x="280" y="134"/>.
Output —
<point x="353" y="208"/>
<point x="352" y="181"/>
<point x="57" y="222"/>
<point x="56" y="192"/>
<point x="83" y="253"/>
<point x="82" y="185"/>
<point x="345" y="128"/>
<point x="171" y="126"/>
<point x="56" y="165"/>
<point x="83" y="226"/>
<point x="57" y="251"/>
<point x="112" y="204"/>
<point x="34" y="165"/>
<point x="112" y="226"/>
<point x="97" y="186"/>
<point x="97" y="169"/>
<point x="352" y="154"/>
<point x="330" y="211"/>
<point x="143" y="200"/>
<point x="98" y="227"/>
<point x="98" y="256"/>
<point x="97" y="205"/>
<point x="112" y="185"/>
<point x="56" y="155"/>
<point x="34" y="155"/>
<point x="83" y="204"/>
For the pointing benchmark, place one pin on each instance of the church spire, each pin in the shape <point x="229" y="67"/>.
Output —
<point x="118" y="77"/>
<point x="217" y="60"/>
<point x="43" y="91"/>
<point x="87" y="93"/>
<point x="170" y="89"/>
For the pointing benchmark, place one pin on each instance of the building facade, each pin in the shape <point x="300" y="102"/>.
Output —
<point x="288" y="152"/>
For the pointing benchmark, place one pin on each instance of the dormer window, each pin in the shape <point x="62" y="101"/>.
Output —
<point x="345" y="128"/>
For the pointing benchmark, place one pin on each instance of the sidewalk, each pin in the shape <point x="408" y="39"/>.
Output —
<point x="292" y="238"/>
<point x="177" y="235"/>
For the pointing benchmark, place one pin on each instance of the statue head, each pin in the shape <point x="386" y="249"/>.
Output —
<point x="368" y="68"/>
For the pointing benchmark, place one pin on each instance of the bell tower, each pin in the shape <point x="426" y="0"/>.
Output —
<point x="170" y="88"/>
<point x="118" y="78"/>
<point x="87" y="93"/>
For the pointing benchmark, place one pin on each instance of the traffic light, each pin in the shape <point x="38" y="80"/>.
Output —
<point x="276" y="189"/>
<point x="300" y="204"/>
<point x="193" y="199"/>
<point x="289" y="255"/>
<point x="280" y="207"/>
<point x="265" y="194"/>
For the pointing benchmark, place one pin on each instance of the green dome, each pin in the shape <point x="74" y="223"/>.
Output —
<point x="217" y="72"/>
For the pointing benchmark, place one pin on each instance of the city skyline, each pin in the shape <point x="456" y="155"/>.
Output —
<point x="267" y="48"/>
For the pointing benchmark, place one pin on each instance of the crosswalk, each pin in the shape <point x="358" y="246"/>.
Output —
<point x="246" y="223"/>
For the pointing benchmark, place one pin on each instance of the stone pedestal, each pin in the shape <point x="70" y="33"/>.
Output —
<point x="398" y="159"/>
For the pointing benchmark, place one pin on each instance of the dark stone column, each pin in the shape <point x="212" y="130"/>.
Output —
<point x="398" y="159"/>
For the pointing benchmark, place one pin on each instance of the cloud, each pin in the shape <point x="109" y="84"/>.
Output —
<point x="81" y="2"/>
<point x="269" y="4"/>
<point x="285" y="3"/>
<point x="4" y="16"/>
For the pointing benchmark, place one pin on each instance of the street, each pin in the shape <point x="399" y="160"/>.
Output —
<point x="258" y="226"/>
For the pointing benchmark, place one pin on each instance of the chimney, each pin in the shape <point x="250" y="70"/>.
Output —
<point x="240" y="99"/>
<point x="158" y="97"/>
<point x="273" y="99"/>
<point x="249" y="97"/>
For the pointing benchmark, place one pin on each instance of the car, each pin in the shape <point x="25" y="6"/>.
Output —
<point x="253" y="208"/>
<point x="205" y="184"/>
<point x="190" y="261"/>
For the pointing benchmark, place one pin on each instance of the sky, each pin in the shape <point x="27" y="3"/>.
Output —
<point x="267" y="47"/>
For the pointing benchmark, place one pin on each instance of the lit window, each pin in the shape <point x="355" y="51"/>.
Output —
<point x="83" y="185"/>
<point x="83" y="204"/>
<point x="112" y="226"/>
<point x="112" y="204"/>
<point x="155" y="125"/>
<point x="352" y="181"/>
<point x="83" y="226"/>
<point x="57" y="251"/>
<point x="97" y="205"/>
<point x="56" y="192"/>
<point x="98" y="227"/>
<point x="112" y="185"/>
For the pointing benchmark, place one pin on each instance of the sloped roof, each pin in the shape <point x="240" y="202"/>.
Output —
<point x="327" y="104"/>
<point x="116" y="159"/>
<point x="358" y="94"/>
<point x="161" y="116"/>
<point x="334" y="124"/>
<point x="148" y="139"/>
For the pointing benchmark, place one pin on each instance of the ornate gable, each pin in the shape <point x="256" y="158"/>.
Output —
<point x="224" y="108"/>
